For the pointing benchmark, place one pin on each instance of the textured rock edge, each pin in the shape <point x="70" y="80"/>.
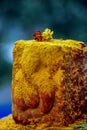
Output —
<point x="7" y="123"/>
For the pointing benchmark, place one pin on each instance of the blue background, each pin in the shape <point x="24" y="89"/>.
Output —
<point x="19" y="19"/>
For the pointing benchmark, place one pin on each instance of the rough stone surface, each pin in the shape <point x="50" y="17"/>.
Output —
<point x="49" y="81"/>
<point x="7" y="123"/>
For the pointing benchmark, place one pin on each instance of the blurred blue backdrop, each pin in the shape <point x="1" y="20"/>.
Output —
<point x="19" y="19"/>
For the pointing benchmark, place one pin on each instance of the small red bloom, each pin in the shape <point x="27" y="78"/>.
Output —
<point x="38" y="36"/>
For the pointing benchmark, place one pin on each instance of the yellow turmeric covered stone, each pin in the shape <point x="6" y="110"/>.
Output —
<point x="49" y="81"/>
<point x="49" y="84"/>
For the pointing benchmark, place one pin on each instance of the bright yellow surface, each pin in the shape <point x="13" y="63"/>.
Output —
<point x="31" y="58"/>
<point x="41" y="67"/>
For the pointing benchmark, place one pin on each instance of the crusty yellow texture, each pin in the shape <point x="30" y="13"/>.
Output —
<point x="31" y="56"/>
<point x="43" y="80"/>
<point x="7" y="123"/>
<point x="30" y="61"/>
<point x="49" y="81"/>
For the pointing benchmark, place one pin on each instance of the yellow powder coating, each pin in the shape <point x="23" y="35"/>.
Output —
<point x="30" y="60"/>
<point x="28" y="55"/>
<point x="8" y="123"/>
<point x="42" y="89"/>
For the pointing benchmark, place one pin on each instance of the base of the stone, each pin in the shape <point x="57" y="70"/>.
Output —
<point x="7" y="123"/>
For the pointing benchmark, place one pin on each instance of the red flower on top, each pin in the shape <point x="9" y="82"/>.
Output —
<point x="38" y="36"/>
